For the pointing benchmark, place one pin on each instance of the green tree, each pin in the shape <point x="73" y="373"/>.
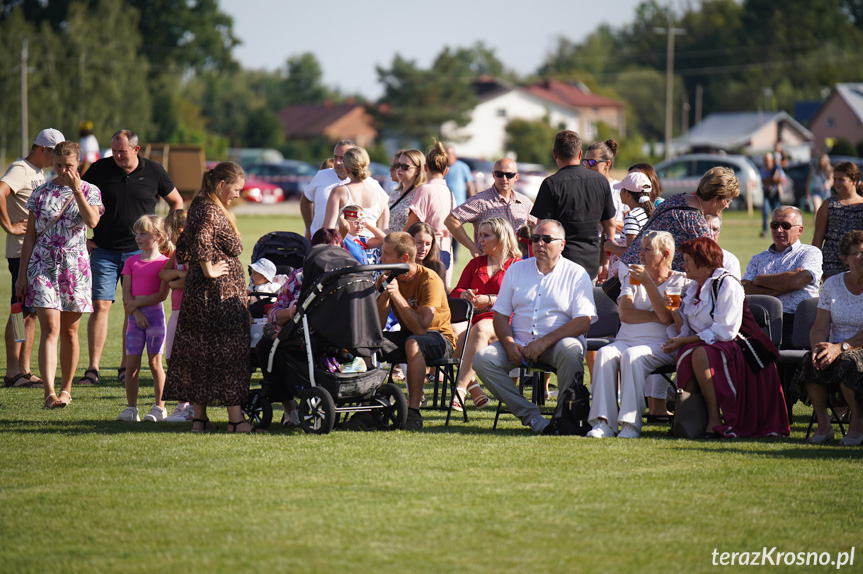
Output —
<point x="262" y="129"/>
<point x="530" y="140"/>
<point x="304" y="81"/>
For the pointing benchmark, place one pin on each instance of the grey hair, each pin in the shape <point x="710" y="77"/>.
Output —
<point x="798" y="215"/>
<point x="351" y="143"/>
<point x="554" y="223"/>
<point x="130" y="136"/>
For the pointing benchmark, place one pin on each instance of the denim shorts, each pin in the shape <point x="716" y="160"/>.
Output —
<point x="106" y="268"/>
<point x="14" y="268"/>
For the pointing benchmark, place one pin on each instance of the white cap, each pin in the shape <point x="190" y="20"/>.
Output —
<point x="49" y="138"/>
<point x="265" y="267"/>
<point x="635" y="181"/>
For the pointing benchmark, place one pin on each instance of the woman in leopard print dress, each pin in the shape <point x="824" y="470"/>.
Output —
<point x="210" y="358"/>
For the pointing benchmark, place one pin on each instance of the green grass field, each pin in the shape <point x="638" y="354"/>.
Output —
<point x="83" y="493"/>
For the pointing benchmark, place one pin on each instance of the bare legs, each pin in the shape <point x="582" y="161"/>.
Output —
<point x="18" y="354"/>
<point x="97" y="333"/>
<point x="416" y="373"/>
<point x="63" y="327"/>
<point x="704" y="378"/>
<point x="481" y="335"/>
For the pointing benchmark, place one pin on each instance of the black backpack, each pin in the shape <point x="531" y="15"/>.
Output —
<point x="573" y="408"/>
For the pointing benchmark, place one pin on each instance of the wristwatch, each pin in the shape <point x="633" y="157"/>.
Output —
<point x="846" y="347"/>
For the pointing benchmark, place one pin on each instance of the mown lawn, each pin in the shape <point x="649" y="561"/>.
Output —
<point x="83" y="493"/>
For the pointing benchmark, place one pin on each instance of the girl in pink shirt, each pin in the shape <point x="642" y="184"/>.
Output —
<point x="143" y="293"/>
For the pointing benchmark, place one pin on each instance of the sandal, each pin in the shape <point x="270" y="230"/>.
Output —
<point x="61" y="401"/>
<point x="121" y="375"/>
<point x="88" y="379"/>
<point x="22" y="381"/>
<point x="254" y="430"/>
<point x="52" y="402"/>
<point x="659" y="419"/>
<point x="482" y="400"/>
<point x="208" y="426"/>
<point x="458" y="403"/>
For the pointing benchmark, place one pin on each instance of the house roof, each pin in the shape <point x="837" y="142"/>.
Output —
<point x="571" y="95"/>
<point x="734" y="130"/>
<point x="312" y="120"/>
<point x="853" y="96"/>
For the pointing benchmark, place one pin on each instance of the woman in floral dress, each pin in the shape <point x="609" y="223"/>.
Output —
<point x="58" y="282"/>
<point x="210" y="356"/>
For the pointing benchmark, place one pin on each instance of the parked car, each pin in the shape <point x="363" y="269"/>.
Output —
<point x="682" y="174"/>
<point x="481" y="170"/>
<point x="530" y="177"/>
<point x="291" y="175"/>
<point x="256" y="190"/>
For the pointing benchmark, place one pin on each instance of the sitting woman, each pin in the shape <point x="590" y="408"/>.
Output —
<point x="428" y="254"/>
<point x="479" y="283"/>
<point x="280" y="314"/>
<point x="637" y="350"/>
<point x="836" y="338"/>
<point x="708" y="321"/>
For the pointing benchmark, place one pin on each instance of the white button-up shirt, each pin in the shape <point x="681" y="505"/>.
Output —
<point x="539" y="303"/>
<point x="727" y="313"/>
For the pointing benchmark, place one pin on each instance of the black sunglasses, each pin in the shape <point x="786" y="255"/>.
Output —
<point x="783" y="224"/>
<point x="394" y="165"/>
<point x="403" y="166"/>
<point x="505" y="174"/>
<point x="544" y="238"/>
<point x="593" y="162"/>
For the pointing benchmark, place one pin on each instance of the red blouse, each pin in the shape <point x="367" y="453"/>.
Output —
<point x="475" y="276"/>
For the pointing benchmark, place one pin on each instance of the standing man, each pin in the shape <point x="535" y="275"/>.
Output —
<point x="580" y="199"/>
<point x="772" y="178"/>
<point x="131" y="187"/>
<point x="23" y="176"/>
<point x="313" y="203"/>
<point x="788" y="269"/>
<point x="500" y="200"/>
<point x="459" y="179"/>
<point x="543" y="310"/>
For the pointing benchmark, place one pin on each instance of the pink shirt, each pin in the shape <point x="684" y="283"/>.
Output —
<point x="432" y="203"/>
<point x="177" y="294"/>
<point x="144" y="274"/>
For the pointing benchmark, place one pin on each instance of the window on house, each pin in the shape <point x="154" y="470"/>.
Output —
<point x="829" y="122"/>
<point x="501" y="112"/>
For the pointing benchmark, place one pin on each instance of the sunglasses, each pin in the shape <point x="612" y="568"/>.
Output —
<point x="394" y="165"/>
<point x="544" y="238"/>
<point x="593" y="162"/>
<point x="783" y="224"/>
<point x="403" y="166"/>
<point x="505" y="174"/>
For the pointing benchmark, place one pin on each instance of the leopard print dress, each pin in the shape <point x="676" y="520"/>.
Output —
<point x="210" y="358"/>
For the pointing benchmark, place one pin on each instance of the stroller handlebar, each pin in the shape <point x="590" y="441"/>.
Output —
<point x="395" y="270"/>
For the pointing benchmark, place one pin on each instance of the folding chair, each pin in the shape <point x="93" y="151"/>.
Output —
<point x="607" y="323"/>
<point x="535" y="373"/>
<point x="460" y="310"/>
<point x="796" y="349"/>
<point x="767" y="311"/>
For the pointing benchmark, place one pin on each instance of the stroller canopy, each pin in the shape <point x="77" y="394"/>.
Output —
<point x="284" y="248"/>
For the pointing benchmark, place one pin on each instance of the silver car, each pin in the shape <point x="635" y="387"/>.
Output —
<point x="684" y="172"/>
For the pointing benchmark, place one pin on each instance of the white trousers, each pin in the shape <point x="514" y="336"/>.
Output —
<point x="632" y="363"/>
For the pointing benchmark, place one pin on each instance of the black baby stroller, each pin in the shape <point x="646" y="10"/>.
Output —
<point x="286" y="250"/>
<point x="336" y="322"/>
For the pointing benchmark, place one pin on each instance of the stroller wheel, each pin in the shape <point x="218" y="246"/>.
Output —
<point x="258" y="409"/>
<point x="394" y="411"/>
<point x="317" y="411"/>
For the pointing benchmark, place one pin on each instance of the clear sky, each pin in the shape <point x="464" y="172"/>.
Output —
<point x="350" y="38"/>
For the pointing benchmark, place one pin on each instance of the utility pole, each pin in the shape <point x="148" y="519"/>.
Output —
<point x="670" y="31"/>
<point x="25" y="130"/>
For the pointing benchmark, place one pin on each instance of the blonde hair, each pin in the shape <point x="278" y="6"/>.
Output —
<point x="502" y="229"/>
<point x="175" y="222"/>
<point x="437" y="159"/>
<point x="417" y="157"/>
<point x="357" y="163"/>
<point x="228" y="172"/>
<point x="661" y="240"/>
<point x="155" y="225"/>
<point x="67" y="149"/>
<point x="718" y="182"/>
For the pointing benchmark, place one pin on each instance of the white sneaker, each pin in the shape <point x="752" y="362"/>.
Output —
<point x="628" y="430"/>
<point x="538" y="424"/>
<point x="129" y="414"/>
<point x="181" y="415"/>
<point x="155" y="415"/>
<point x="600" y="430"/>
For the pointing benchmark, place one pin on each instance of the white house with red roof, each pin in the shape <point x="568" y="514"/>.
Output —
<point x="567" y="106"/>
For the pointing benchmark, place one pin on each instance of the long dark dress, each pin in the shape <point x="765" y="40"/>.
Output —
<point x="210" y="357"/>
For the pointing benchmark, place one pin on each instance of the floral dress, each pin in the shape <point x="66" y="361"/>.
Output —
<point x="840" y="220"/>
<point x="58" y="274"/>
<point x="210" y="357"/>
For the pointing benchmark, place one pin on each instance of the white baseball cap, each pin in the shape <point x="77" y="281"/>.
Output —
<point x="635" y="181"/>
<point x="49" y="138"/>
<point x="265" y="267"/>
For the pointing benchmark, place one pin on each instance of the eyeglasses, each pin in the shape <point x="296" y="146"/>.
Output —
<point x="544" y="238"/>
<point x="593" y="162"/>
<point x="403" y="166"/>
<point x="505" y="174"/>
<point x="783" y="224"/>
<point x="855" y="254"/>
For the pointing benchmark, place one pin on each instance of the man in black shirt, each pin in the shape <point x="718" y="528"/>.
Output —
<point x="131" y="187"/>
<point x="581" y="200"/>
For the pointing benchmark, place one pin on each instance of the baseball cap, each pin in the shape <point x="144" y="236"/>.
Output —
<point x="265" y="267"/>
<point x="635" y="181"/>
<point x="49" y="138"/>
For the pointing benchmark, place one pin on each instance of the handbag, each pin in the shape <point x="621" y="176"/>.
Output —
<point x="56" y="219"/>
<point x="690" y="415"/>
<point x="612" y="287"/>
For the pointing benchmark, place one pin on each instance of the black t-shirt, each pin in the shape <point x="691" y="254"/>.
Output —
<point x="126" y="198"/>
<point x="579" y="199"/>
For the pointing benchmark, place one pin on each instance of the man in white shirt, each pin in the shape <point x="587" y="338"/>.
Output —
<point x="23" y="176"/>
<point x="313" y="203"/>
<point x="550" y="301"/>
<point x="730" y="262"/>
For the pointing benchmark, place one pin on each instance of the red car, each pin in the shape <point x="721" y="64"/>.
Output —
<point x="257" y="190"/>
